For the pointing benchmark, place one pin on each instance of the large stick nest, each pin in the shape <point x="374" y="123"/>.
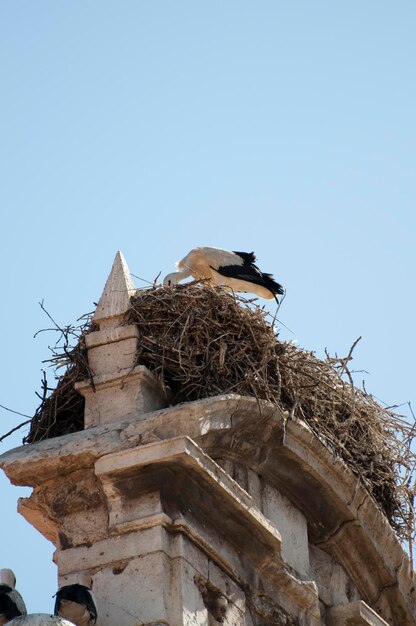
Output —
<point x="201" y="341"/>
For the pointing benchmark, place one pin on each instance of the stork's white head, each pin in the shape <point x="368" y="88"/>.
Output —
<point x="171" y="279"/>
<point x="7" y="577"/>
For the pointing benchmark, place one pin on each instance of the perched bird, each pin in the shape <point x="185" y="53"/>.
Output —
<point x="11" y="602"/>
<point x="235" y="270"/>
<point x="76" y="603"/>
<point x="39" y="619"/>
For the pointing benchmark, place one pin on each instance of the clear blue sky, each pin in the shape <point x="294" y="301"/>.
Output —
<point x="287" y="128"/>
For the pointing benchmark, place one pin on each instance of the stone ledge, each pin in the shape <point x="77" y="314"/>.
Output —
<point x="35" y="463"/>
<point x="183" y="453"/>
<point x="354" y="614"/>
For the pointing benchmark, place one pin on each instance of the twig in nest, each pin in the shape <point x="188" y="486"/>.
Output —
<point x="12" y="411"/>
<point x="15" y="428"/>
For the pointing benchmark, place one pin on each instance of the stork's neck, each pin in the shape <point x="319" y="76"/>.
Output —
<point x="176" y="277"/>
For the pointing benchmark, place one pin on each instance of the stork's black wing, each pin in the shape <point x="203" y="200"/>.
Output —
<point x="251" y="273"/>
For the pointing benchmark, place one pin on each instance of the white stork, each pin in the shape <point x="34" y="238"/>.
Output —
<point x="11" y="602"/>
<point x="226" y="268"/>
<point x="76" y="603"/>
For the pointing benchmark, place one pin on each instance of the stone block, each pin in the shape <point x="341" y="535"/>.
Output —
<point x="292" y="526"/>
<point x="120" y="396"/>
<point x="139" y="593"/>
<point x="112" y="350"/>
<point x="255" y="488"/>
<point x="113" y="551"/>
<point x="187" y="603"/>
<point x="226" y="585"/>
<point x="180" y="546"/>
<point x="334" y="585"/>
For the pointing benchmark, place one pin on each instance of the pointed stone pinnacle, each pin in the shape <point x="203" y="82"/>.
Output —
<point x="118" y="289"/>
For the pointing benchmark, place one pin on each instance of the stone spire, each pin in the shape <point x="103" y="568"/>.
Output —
<point x="118" y="388"/>
<point x="117" y="292"/>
